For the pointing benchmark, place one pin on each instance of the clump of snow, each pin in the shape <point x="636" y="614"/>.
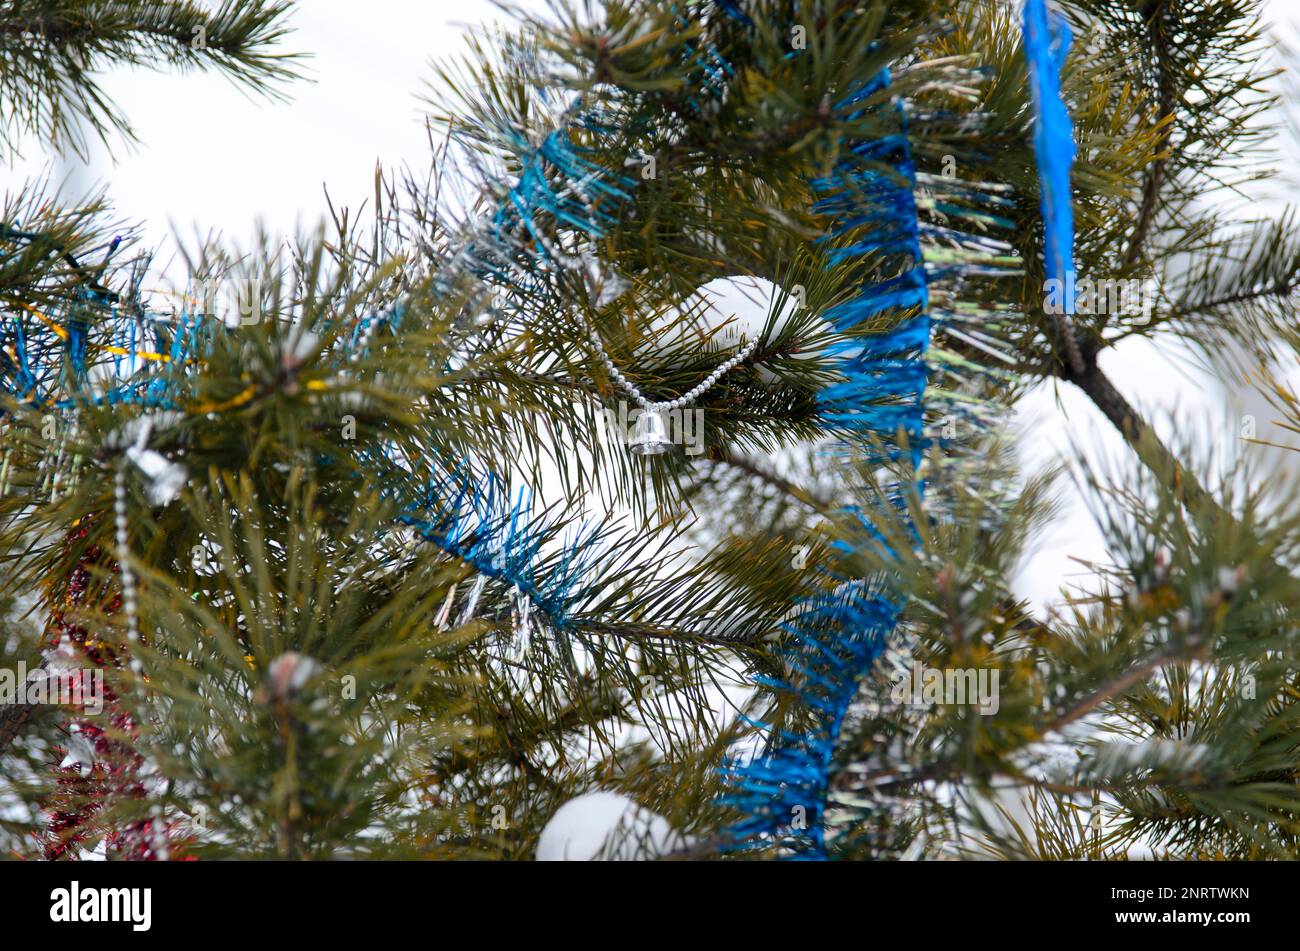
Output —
<point x="606" y="826"/>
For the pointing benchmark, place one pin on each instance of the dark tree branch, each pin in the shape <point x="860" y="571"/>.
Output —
<point x="1154" y="11"/>
<point x="1141" y="437"/>
<point x="1069" y="344"/>
<point x="14" y="717"/>
<point x="811" y="499"/>
<point x="1116" y="685"/>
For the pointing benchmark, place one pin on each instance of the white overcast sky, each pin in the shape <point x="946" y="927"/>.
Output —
<point x="211" y="157"/>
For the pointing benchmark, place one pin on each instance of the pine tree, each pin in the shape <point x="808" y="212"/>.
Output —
<point x="380" y="548"/>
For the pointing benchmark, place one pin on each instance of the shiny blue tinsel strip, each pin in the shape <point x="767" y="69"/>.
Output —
<point x="836" y="636"/>
<point x="879" y="404"/>
<point x="476" y="519"/>
<point x="1047" y="40"/>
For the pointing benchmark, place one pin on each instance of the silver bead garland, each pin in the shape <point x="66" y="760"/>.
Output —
<point x="130" y="604"/>
<point x="687" y="398"/>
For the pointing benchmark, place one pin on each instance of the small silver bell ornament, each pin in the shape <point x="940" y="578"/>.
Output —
<point x="651" y="437"/>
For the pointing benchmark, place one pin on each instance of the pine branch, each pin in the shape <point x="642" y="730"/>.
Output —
<point x="813" y="500"/>
<point x="1154" y="11"/>
<point x="14" y="718"/>
<point x="1153" y="453"/>
<point x="892" y="780"/>
<point x="1115" y="686"/>
<point x="51" y="49"/>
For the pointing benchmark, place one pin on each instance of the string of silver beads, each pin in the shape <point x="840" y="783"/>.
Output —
<point x="686" y="398"/>
<point x="126" y="576"/>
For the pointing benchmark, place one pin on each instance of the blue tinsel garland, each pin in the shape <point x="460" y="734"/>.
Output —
<point x="836" y="637"/>
<point x="1047" y="41"/>
<point x="884" y="394"/>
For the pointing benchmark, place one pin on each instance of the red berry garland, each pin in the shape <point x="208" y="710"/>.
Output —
<point x="86" y="790"/>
